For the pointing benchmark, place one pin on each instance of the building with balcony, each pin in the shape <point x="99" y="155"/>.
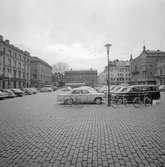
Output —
<point x="144" y="66"/>
<point x="119" y="73"/>
<point x="41" y="73"/>
<point x="14" y="66"/>
<point x="88" y="77"/>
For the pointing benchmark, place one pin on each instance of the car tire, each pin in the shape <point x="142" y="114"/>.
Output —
<point x="98" y="100"/>
<point x="68" y="101"/>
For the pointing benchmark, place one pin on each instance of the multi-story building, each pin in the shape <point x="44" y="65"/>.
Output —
<point x="89" y="77"/>
<point x="14" y="66"/>
<point x="160" y="72"/>
<point x="41" y="73"/>
<point x="119" y="73"/>
<point x="144" y="66"/>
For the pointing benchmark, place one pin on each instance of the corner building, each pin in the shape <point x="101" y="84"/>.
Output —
<point x="41" y="73"/>
<point x="14" y="66"/>
<point x="145" y="67"/>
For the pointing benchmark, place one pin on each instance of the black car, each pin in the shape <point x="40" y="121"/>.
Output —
<point x="131" y="92"/>
<point x="18" y="92"/>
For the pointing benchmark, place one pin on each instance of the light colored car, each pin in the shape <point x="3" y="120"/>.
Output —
<point x="34" y="90"/>
<point x="65" y="89"/>
<point x="9" y="92"/>
<point x="81" y="95"/>
<point x="3" y="95"/>
<point x="46" y="89"/>
<point x="162" y="88"/>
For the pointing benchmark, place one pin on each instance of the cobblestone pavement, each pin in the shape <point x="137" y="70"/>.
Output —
<point x="35" y="131"/>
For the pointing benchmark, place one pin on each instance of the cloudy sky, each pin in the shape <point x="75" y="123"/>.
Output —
<point x="75" y="31"/>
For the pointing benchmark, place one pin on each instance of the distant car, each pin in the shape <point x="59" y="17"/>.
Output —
<point x="28" y="91"/>
<point x="9" y="92"/>
<point x="54" y="88"/>
<point x="81" y="95"/>
<point x="162" y="88"/>
<point x="65" y="89"/>
<point x="18" y="92"/>
<point x="46" y="89"/>
<point x="34" y="90"/>
<point x="3" y="95"/>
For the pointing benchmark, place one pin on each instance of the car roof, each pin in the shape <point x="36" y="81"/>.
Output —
<point x="143" y="85"/>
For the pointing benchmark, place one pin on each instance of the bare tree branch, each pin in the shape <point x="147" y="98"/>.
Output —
<point x="60" y="67"/>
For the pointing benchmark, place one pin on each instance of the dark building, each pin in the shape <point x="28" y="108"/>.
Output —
<point x="89" y="77"/>
<point x="14" y="66"/>
<point x="41" y="73"/>
<point x="144" y="66"/>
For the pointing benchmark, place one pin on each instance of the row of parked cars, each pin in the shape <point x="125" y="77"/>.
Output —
<point x="16" y="92"/>
<point x="130" y="92"/>
<point x="85" y="94"/>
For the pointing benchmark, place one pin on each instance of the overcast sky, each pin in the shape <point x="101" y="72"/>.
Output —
<point x="75" y="31"/>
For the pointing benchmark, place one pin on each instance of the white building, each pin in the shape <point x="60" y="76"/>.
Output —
<point x="119" y="73"/>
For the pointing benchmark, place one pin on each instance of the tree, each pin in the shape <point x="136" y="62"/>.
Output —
<point x="60" y="67"/>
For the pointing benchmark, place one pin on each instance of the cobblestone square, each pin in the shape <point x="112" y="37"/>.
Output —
<point x="35" y="131"/>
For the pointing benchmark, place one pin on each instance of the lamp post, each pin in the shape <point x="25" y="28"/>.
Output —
<point x="108" y="82"/>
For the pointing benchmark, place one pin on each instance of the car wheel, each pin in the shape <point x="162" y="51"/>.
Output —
<point x="98" y="100"/>
<point x="68" y="101"/>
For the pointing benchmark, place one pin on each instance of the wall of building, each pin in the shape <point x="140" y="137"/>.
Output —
<point x="144" y="66"/>
<point x="41" y="73"/>
<point x="87" y="76"/>
<point x="14" y="66"/>
<point x="119" y="73"/>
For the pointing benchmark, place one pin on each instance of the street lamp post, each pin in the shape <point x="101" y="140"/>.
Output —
<point x="108" y="82"/>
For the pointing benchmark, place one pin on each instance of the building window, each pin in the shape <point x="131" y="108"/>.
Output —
<point x="9" y="52"/>
<point x="14" y="73"/>
<point x="9" y="61"/>
<point x="15" y="63"/>
<point x="15" y="55"/>
<point x="4" y="50"/>
<point x="19" y="74"/>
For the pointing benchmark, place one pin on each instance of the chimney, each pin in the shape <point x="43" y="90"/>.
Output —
<point x="1" y="38"/>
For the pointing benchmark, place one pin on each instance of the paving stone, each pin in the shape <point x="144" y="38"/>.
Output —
<point x="70" y="136"/>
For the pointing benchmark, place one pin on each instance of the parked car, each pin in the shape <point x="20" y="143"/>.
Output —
<point x="18" y="92"/>
<point x="131" y="92"/>
<point x="162" y="88"/>
<point x="81" y="95"/>
<point x="9" y="92"/>
<point x="3" y="95"/>
<point x="54" y="88"/>
<point x="65" y="89"/>
<point x="46" y="89"/>
<point x="28" y="91"/>
<point x="34" y="90"/>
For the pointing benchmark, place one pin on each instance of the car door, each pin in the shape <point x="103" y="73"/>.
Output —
<point x="85" y="96"/>
<point x="76" y="96"/>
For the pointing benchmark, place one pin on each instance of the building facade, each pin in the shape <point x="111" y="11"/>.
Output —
<point x="41" y="73"/>
<point x="119" y="73"/>
<point x="144" y="66"/>
<point x="14" y="66"/>
<point x="89" y="77"/>
<point x="160" y="72"/>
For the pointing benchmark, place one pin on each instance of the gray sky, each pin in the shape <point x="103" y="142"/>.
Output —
<point x="75" y="31"/>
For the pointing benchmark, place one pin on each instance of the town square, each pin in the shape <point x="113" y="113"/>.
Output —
<point x="82" y="83"/>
